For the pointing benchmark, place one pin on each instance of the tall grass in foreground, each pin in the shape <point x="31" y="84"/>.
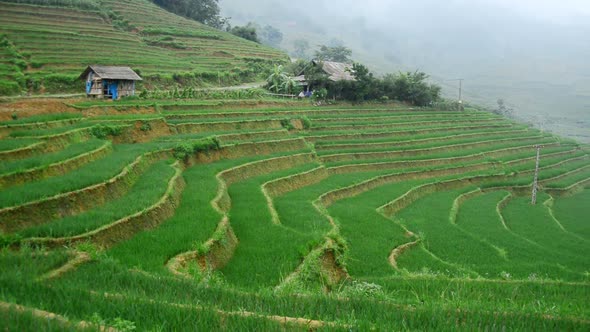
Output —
<point x="266" y="252"/>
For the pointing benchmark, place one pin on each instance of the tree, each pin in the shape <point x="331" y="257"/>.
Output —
<point x="301" y="47"/>
<point x="410" y="87"/>
<point x="204" y="11"/>
<point x="247" y="32"/>
<point x="337" y="53"/>
<point x="279" y="81"/>
<point x="503" y="109"/>
<point x="298" y="67"/>
<point x="271" y="36"/>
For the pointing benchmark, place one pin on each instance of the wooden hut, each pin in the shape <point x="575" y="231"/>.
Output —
<point x="110" y="82"/>
<point x="336" y="71"/>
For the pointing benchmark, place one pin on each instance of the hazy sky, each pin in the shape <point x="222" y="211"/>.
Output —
<point x="562" y="11"/>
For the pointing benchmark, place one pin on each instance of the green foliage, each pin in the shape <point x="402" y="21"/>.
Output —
<point x="184" y="150"/>
<point x="145" y="126"/>
<point x="279" y="81"/>
<point x="306" y="122"/>
<point x="192" y="93"/>
<point x="247" y="32"/>
<point x="319" y="94"/>
<point x="117" y="323"/>
<point x="286" y="123"/>
<point x="411" y="87"/>
<point x="166" y="41"/>
<point x="82" y="4"/>
<point x="301" y="47"/>
<point x="334" y="53"/>
<point x="204" y="11"/>
<point x="180" y="33"/>
<point x="9" y="88"/>
<point x="103" y="131"/>
<point x="6" y="240"/>
<point x="270" y="35"/>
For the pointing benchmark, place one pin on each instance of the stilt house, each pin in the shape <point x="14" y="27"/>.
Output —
<point x="110" y="82"/>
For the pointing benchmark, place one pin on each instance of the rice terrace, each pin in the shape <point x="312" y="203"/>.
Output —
<point x="233" y="209"/>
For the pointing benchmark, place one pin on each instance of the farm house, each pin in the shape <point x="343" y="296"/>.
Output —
<point x="110" y="82"/>
<point x="336" y="71"/>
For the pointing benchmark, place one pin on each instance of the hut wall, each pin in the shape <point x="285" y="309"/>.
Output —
<point x="96" y="87"/>
<point x="126" y="88"/>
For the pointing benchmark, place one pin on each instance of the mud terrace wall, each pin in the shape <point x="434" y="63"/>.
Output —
<point x="59" y="168"/>
<point x="331" y="197"/>
<point x="125" y="228"/>
<point x="34" y="213"/>
<point x="386" y="134"/>
<point x="419" y="152"/>
<point x="195" y="128"/>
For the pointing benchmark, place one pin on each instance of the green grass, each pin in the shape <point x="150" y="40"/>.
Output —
<point x="42" y="118"/>
<point x="538" y="226"/>
<point x="194" y="222"/>
<point x="13" y="144"/>
<point x="70" y="151"/>
<point x="147" y="191"/>
<point x="573" y="215"/>
<point x="50" y="131"/>
<point x="92" y="173"/>
<point x="267" y="252"/>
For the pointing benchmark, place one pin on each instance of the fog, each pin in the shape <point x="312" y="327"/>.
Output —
<point x="534" y="54"/>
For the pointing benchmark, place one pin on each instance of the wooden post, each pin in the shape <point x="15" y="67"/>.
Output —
<point x="536" y="179"/>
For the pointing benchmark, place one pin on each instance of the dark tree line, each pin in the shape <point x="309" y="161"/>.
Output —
<point x="410" y="87"/>
<point x="204" y="11"/>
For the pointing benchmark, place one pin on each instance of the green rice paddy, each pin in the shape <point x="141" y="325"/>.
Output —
<point x="428" y="229"/>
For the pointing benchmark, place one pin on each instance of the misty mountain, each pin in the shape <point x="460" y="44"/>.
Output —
<point x="532" y="56"/>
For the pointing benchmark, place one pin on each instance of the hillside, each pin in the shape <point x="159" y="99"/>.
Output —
<point x="198" y="216"/>
<point x="538" y="66"/>
<point x="44" y="49"/>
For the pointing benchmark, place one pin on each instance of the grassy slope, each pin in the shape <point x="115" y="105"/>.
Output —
<point x="57" y="43"/>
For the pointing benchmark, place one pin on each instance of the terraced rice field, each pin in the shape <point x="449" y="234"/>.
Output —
<point x="385" y="218"/>
<point x="53" y="45"/>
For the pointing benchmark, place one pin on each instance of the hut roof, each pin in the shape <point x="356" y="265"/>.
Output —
<point x="112" y="73"/>
<point x="337" y="71"/>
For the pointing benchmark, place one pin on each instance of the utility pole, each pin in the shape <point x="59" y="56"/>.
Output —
<point x="460" y="102"/>
<point x="536" y="179"/>
<point x="460" y="94"/>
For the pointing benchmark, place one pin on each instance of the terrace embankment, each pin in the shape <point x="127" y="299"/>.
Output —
<point x="125" y="228"/>
<point x="71" y="203"/>
<point x="57" y="168"/>
<point x="218" y="250"/>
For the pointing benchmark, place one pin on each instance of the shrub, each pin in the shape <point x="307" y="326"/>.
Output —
<point x="9" y="88"/>
<point x="286" y="123"/>
<point x="102" y="131"/>
<point x="145" y="126"/>
<point x="306" y="122"/>
<point x="184" y="150"/>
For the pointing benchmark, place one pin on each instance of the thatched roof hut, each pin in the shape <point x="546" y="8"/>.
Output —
<point x="336" y="71"/>
<point x="110" y="81"/>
